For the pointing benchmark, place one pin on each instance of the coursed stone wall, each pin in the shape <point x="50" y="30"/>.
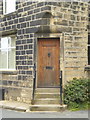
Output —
<point x="67" y="20"/>
<point x="72" y="19"/>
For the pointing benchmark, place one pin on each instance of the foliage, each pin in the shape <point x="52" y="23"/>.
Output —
<point x="76" y="92"/>
<point x="75" y="106"/>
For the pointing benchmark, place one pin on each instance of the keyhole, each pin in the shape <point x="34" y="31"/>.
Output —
<point x="49" y="54"/>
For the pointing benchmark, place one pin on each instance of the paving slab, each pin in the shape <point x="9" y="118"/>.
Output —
<point x="14" y="105"/>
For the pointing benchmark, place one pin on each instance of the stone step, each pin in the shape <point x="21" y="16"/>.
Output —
<point x="48" y="90"/>
<point x="47" y="107"/>
<point x="47" y="95"/>
<point x="46" y="101"/>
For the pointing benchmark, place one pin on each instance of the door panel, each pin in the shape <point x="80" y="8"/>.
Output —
<point x="48" y="62"/>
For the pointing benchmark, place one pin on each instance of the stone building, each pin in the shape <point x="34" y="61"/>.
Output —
<point x="43" y="38"/>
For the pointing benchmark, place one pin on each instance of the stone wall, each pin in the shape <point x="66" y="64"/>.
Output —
<point x="1" y="8"/>
<point x="31" y="20"/>
<point x="72" y="19"/>
<point x="88" y="71"/>
<point x="24" y="22"/>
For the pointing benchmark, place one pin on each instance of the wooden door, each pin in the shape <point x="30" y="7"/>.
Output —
<point x="48" y="62"/>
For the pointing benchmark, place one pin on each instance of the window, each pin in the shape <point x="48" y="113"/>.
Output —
<point x="9" y="6"/>
<point x="7" y="53"/>
<point x="88" y="49"/>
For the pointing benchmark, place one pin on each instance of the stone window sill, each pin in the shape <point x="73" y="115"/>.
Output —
<point x="87" y="68"/>
<point x="9" y="14"/>
<point x="12" y="72"/>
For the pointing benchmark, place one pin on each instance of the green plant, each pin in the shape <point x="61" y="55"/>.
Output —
<point x="76" y="92"/>
<point x="75" y="106"/>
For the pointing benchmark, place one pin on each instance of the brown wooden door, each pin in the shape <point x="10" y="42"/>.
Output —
<point x="48" y="62"/>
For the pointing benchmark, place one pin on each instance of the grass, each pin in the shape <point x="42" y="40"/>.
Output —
<point x="77" y="107"/>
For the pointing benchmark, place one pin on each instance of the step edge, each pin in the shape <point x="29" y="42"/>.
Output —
<point x="47" y="99"/>
<point x="50" y="105"/>
<point x="47" y="93"/>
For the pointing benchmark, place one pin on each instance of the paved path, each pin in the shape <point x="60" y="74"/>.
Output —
<point x="67" y="114"/>
<point x="14" y="105"/>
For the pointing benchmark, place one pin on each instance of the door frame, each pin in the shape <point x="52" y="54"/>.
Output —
<point x="37" y="59"/>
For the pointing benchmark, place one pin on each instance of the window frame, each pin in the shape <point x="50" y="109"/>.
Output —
<point x="7" y="51"/>
<point x="5" y="12"/>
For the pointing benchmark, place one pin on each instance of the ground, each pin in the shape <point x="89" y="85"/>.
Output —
<point x="4" y="113"/>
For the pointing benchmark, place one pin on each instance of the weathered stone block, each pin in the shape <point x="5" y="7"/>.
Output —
<point x="71" y="23"/>
<point x="65" y="29"/>
<point x="73" y="17"/>
<point x="63" y="22"/>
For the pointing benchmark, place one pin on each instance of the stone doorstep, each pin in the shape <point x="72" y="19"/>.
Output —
<point x="52" y="105"/>
<point x="14" y="105"/>
<point x="48" y="107"/>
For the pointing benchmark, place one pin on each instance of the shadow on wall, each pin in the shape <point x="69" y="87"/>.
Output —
<point x="2" y="93"/>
